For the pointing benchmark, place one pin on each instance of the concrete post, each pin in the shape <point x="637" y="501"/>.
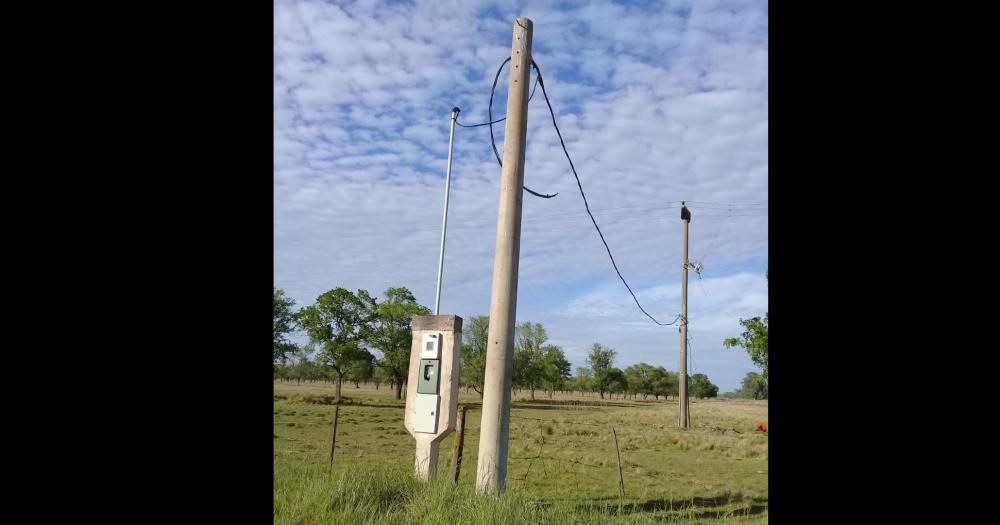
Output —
<point x="491" y="469"/>
<point x="449" y="328"/>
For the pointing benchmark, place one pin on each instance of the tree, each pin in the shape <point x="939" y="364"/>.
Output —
<point x="361" y="369"/>
<point x="389" y="333"/>
<point x="304" y="369"/>
<point x="753" y="387"/>
<point x="285" y="322"/>
<point x="281" y="372"/>
<point x="663" y="383"/>
<point x="699" y="386"/>
<point x="583" y="380"/>
<point x="476" y="335"/>
<point x="639" y="379"/>
<point x="335" y="324"/>
<point x="753" y="339"/>
<point x="616" y="382"/>
<point x="600" y="360"/>
<point x="378" y="376"/>
<point x="555" y="368"/>
<point x="529" y="365"/>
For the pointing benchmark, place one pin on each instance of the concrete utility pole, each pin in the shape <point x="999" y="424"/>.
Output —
<point x="491" y="469"/>
<point x="444" y="221"/>
<point x="683" y="405"/>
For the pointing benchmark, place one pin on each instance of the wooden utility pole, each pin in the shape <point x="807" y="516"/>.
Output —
<point x="491" y="469"/>
<point x="683" y="421"/>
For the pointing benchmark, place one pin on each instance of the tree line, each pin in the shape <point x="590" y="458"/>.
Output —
<point x="347" y="329"/>
<point x="754" y="341"/>
<point x="754" y="386"/>
<point x="343" y="330"/>
<point x="538" y="366"/>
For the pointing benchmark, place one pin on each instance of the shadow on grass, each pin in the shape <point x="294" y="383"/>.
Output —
<point x="549" y="407"/>
<point x="345" y="401"/>
<point x="560" y="403"/>
<point x="699" y="507"/>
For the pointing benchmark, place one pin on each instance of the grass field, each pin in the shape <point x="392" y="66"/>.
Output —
<point x="562" y="466"/>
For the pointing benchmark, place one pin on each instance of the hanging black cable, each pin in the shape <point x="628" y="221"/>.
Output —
<point x="541" y="82"/>
<point x="499" y="119"/>
<point x="493" y="140"/>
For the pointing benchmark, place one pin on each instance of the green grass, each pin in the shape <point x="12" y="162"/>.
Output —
<point x="561" y="466"/>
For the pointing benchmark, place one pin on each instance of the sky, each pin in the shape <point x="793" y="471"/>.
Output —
<point x="658" y="102"/>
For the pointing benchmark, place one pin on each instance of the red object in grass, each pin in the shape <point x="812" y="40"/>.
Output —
<point x="762" y="427"/>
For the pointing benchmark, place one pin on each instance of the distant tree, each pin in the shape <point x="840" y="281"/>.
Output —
<point x="601" y="359"/>
<point x="663" y="383"/>
<point x="361" y="369"/>
<point x="583" y="381"/>
<point x="389" y="332"/>
<point x="378" y="376"/>
<point x="753" y="340"/>
<point x="529" y="361"/>
<point x="335" y="324"/>
<point x="304" y="369"/>
<point x="285" y="322"/>
<point x="555" y="369"/>
<point x="639" y="380"/>
<point x="616" y="381"/>
<point x="701" y="387"/>
<point x="473" y="369"/>
<point x="753" y="387"/>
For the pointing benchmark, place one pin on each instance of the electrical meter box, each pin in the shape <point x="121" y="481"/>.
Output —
<point x="428" y="400"/>
<point x="426" y="413"/>
<point x="431" y="346"/>
<point x="429" y="381"/>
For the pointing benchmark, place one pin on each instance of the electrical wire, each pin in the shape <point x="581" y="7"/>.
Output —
<point x="499" y="119"/>
<point x="493" y="140"/>
<point x="712" y="242"/>
<point x="541" y="81"/>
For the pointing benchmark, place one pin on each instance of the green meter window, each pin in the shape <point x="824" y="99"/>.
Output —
<point x="429" y="376"/>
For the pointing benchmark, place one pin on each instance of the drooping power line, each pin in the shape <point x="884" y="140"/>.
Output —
<point x="499" y="119"/>
<point x="541" y="82"/>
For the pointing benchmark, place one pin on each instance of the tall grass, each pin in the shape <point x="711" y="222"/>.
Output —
<point x="561" y="465"/>
<point x="307" y="493"/>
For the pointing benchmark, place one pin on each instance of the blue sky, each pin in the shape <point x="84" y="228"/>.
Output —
<point x="658" y="102"/>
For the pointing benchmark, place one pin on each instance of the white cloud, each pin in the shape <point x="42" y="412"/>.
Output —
<point x="656" y="105"/>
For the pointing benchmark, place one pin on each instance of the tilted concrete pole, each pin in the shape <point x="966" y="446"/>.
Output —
<point x="491" y="469"/>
